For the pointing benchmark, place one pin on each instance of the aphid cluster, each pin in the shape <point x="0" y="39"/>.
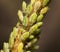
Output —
<point x="25" y="34"/>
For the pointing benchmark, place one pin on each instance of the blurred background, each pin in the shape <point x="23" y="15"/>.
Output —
<point x="50" y="35"/>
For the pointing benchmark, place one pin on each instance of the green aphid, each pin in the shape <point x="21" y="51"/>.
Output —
<point x="24" y="6"/>
<point x="33" y="18"/>
<point x="40" y="17"/>
<point x="29" y="9"/>
<point x="11" y="42"/>
<point x="44" y="10"/>
<point x="24" y="36"/>
<point x="35" y="27"/>
<point x="31" y="36"/>
<point x="45" y="2"/>
<point x="25" y="21"/>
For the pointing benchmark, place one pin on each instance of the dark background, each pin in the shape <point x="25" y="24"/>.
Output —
<point x="50" y="36"/>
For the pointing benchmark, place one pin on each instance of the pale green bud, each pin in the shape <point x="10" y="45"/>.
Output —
<point x="6" y="47"/>
<point x="44" y="10"/>
<point x="25" y="21"/>
<point x="34" y="41"/>
<point x="39" y="24"/>
<point x="37" y="5"/>
<point x="35" y="27"/>
<point x="20" y="15"/>
<point x="40" y="17"/>
<point x="24" y="36"/>
<point x="15" y="32"/>
<point x="33" y="18"/>
<point x="37" y="32"/>
<point x="31" y="36"/>
<point x="20" y="47"/>
<point x="1" y="51"/>
<point x="32" y="2"/>
<point x="28" y="51"/>
<point x="36" y="47"/>
<point x="6" y="50"/>
<point x="45" y="2"/>
<point x="24" y="6"/>
<point x="29" y="44"/>
<point x="22" y="30"/>
<point x="29" y="9"/>
<point x="18" y="23"/>
<point x="11" y="42"/>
